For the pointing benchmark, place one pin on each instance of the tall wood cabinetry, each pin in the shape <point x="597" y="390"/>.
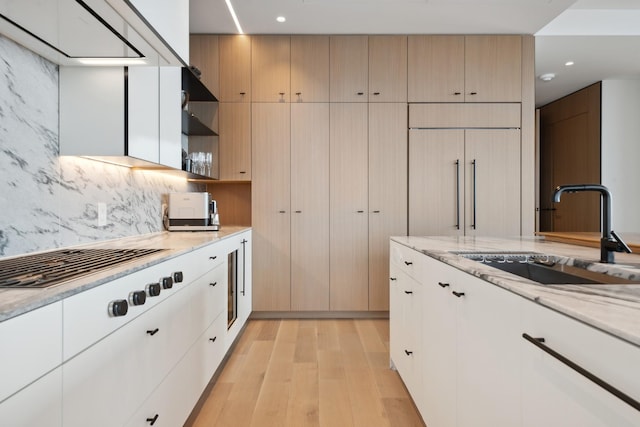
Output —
<point x="323" y="125"/>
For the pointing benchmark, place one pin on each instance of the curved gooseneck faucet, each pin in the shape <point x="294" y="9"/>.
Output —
<point x="610" y="241"/>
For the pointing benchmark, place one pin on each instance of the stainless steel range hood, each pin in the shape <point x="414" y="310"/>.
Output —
<point x="65" y="30"/>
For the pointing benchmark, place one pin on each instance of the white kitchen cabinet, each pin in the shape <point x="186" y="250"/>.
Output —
<point x="31" y="347"/>
<point x="468" y="344"/>
<point x="241" y="245"/>
<point x="126" y="366"/>
<point x="169" y="18"/>
<point x="171" y="403"/>
<point x="553" y="394"/>
<point x="39" y="404"/>
<point x="406" y="299"/>
<point x="123" y="115"/>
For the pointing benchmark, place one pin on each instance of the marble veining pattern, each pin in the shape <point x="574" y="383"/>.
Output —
<point x="50" y="201"/>
<point x="612" y="308"/>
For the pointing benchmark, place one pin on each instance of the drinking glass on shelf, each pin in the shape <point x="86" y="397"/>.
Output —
<point x="208" y="160"/>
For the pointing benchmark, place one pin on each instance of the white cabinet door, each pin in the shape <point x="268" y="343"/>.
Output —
<point x="439" y="343"/>
<point x="143" y="120"/>
<point x="242" y="245"/>
<point x="39" y="404"/>
<point x="554" y="394"/>
<point x="170" y="112"/>
<point x="488" y="363"/>
<point x="31" y="346"/>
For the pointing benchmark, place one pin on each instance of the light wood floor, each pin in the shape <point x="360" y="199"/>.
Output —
<point x="299" y="373"/>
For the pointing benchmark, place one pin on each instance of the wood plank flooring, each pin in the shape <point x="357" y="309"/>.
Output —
<point x="316" y="373"/>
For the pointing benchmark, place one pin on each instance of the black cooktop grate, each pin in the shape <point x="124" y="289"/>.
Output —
<point x="51" y="268"/>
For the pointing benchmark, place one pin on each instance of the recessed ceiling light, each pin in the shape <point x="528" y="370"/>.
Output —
<point x="568" y="63"/>
<point x="547" y="77"/>
<point x="281" y="19"/>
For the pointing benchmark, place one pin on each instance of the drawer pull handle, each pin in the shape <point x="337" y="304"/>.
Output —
<point x="408" y="262"/>
<point x="153" y="420"/>
<point x="243" y="171"/>
<point x="376" y="211"/>
<point x="473" y="93"/>
<point x="243" y="93"/>
<point x="539" y="342"/>
<point x="408" y="353"/>
<point x="298" y="211"/>
<point x="458" y="294"/>
<point x="213" y="339"/>
<point x="457" y="93"/>
<point x="393" y="278"/>
<point x="408" y="292"/>
<point x="443" y="284"/>
<point x="213" y="257"/>
<point x="213" y="284"/>
<point x="360" y="93"/>
<point x="298" y="93"/>
<point x="282" y="211"/>
<point x="376" y="93"/>
<point x="153" y="332"/>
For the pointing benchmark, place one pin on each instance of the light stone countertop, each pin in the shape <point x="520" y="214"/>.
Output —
<point x="612" y="308"/>
<point x="14" y="302"/>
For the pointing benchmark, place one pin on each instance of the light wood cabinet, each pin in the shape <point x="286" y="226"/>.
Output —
<point x="492" y="175"/>
<point x="435" y="68"/>
<point x="387" y="68"/>
<point x="309" y="68"/>
<point x="235" y="141"/>
<point x="310" y="207"/>
<point x="270" y="207"/>
<point x="464" y="68"/>
<point x="387" y="182"/>
<point x="348" y="75"/>
<point x="464" y="182"/>
<point x="493" y="68"/>
<point x="349" y="203"/>
<point x="203" y="54"/>
<point x="235" y="68"/>
<point x="270" y="72"/>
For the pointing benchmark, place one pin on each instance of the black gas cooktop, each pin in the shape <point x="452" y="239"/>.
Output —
<point x="52" y="268"/>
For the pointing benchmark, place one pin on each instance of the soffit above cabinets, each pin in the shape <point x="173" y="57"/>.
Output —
<point x="64" y="30"/>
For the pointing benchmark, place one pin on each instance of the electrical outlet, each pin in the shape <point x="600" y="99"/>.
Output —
<point x="102" y="214"/>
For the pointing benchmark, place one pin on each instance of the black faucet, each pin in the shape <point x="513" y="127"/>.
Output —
<point x="610" y="242"/>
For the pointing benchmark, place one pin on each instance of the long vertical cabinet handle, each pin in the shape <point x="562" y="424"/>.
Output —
<point x="457" y="194"/>
<point x="473" y="223"/>
<point x="539" y="342"/>
<point x="244" y="262"/>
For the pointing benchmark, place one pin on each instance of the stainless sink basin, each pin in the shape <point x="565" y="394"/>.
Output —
<point x="544" y="269"/>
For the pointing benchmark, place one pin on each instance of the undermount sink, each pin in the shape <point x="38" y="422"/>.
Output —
<point x="544" y="269"/>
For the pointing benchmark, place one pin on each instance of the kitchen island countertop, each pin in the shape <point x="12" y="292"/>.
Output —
<point x="612" y="308"/>
<point x="14" y="302"/>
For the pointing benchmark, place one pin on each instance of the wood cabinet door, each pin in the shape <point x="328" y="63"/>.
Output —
<point x="235" y="68"/>
<point x="387" y="193"/>
<point x="387" y="68"/>
<point x="348" y="62"/>
<point x="310" y="206"/>
<point x="270" y="212"/>
<point x="309" y="68"/>
<point x="435" y="68"/>
<point x="348" y="166"/>
<point x="493" y="68"/>
<point x="492" y="169"/>
<point x="235" y="141"/>
<point x="436" y="182"/>
<point x="270" y="72"/>
<point x="204" y="54"/>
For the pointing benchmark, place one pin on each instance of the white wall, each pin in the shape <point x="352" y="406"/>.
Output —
<point x="621" y="151"/>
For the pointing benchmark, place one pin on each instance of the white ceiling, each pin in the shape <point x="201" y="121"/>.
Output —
<point x="602" y="37"/>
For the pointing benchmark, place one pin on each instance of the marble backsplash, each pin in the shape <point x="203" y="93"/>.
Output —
<point x="50" y="201"/>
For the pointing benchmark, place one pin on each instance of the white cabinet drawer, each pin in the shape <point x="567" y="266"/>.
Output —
<point x="31" y="346"/>
<point x="37" y="405"/>
<point x="172" y="402"/>
<point x="407" y="259"/>
<point x="551" y="390"/>
<point x="86" y="315"/>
